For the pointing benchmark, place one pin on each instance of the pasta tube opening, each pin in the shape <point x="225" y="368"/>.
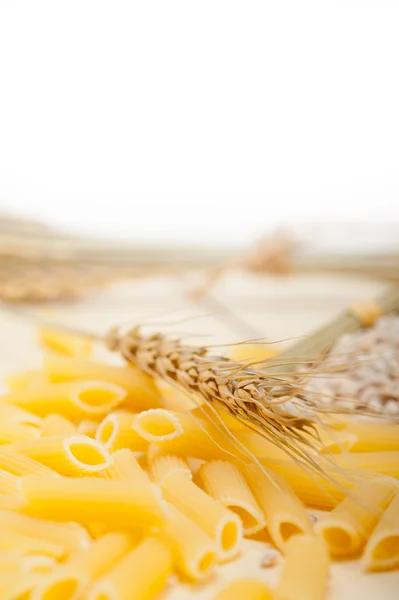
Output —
<point x="87" y="454"/>
<point x="205" y="563"/>
<point x="288" y="529"/>
<point x="387" y="549"/>
<point x="228" y="536"/>
<point x="66" y="588"/>
<point x="157" y="424"/>
<point x="106" y="432"/>
<point x="98" y="396"/>
<point x="38" y="563"/>
<point x="382" y="550"/>
<point x="338" y="539"/>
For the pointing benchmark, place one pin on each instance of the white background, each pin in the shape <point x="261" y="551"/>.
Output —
<point x="200" y="121"/>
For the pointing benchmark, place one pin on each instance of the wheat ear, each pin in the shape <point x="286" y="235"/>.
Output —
<point x="275" y="407"/>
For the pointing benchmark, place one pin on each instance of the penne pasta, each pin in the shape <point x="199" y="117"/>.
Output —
<point x="73" y="400"/>
<point x="218" y="522"/>
<point x="25" y="379"/>
<point x="195" y="551"/>
<point x="126" y="466"/>
<point x="166" y="464"/>
<point x="9" y="484"/>
<point x="347" y="528"/>
<point x="13" y="503"/>
<point x="183" y="433"/>
<point x="14" y="432"/>
<point x="87" y="427"/>
<point x="382" y="463"/>
<point x="55" y="424"/>
<point x="15" y="587"/>
<point x="224" y="482"/>
<point x="305" y="569"/>
<point x="67" y="454"/>
<point x="15" y="561"/>
<point x="92" y="500"/>
<point x="116" y="432"/>
<point x="382" y="549"/>
<point x="175" y="399"/>
<point x="38" y="563"/>
<point x="150" y="562"/>
<point x="64" y="342"/>
<point x="253" y="352"/>
<point x="327" y="491"/>
<point x="140" y="388"/>
<point x="326" y="441"/>
<point x="71" y="579"/>
<point x="27" y="545"/>
<point x="245" y="589"/>
<point x="18" y="416"/>
<point x="374" y="436"/>
<point x="69" y="536"/>
<point x="285" y="514"/>
<point x="18" y="464"/>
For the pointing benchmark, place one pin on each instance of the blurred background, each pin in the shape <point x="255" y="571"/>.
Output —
<point x="181" y="157"/>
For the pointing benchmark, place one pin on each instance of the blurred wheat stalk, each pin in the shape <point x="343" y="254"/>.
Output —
<point x="39" y="264"/>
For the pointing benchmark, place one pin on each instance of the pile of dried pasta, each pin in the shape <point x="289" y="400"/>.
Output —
<point x="109" y="485"/>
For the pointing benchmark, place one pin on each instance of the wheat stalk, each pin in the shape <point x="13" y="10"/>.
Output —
<point x="275" y="407"/>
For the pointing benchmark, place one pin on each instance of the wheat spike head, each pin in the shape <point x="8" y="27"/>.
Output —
<point x="275" y="407"/>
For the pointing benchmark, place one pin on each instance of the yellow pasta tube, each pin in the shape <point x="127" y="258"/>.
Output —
<point x="194" y="550"/>
<point x="14" y="560"/>
<point x="19" y="464"/>
<point x="182" y="433"/>
<point x="151" y="562"/>
<point x="212" y="414"/>
<point x="14" y="432"/>
<point x="218" y="522"/>
<point x="67" y="454"/>
<point x="142" y="392"/>
<point x="88" y="427"/>
<point x="305" y="569"/>
<point x="15" y="587"/>
<point x="253" y="352"/>
<point x="26" y="545"/>
<point x="285" y="514"/>
<point x="73" y="400"/>
<point x="382" y="549"/>
<point x="125" y="466"/>
<point x="329" y="441"/>
<point x="21" y="381"/>
<point x="38" y="563"/>
<point x="175" y="399"/>
<point x="166" y="464"/>
<point x="8" y="502"/>
<point x="373" y="436"/>
<point x="347" y="528"/>
<point x="9" y="484"/>
<point x="19" y="416"/>
<point x="92" y="500"/>
<point x="327" y="491"/>
<point x="71" y="579"/>
<point x="224" y="482"/>
<point x="68" y="536"/>
<point x="383" y="463"/>
<point x="55" y="424"/>
<point x="116" y="432"/>
<point x="64" y="342"/>
<point x="245" y="589"/>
